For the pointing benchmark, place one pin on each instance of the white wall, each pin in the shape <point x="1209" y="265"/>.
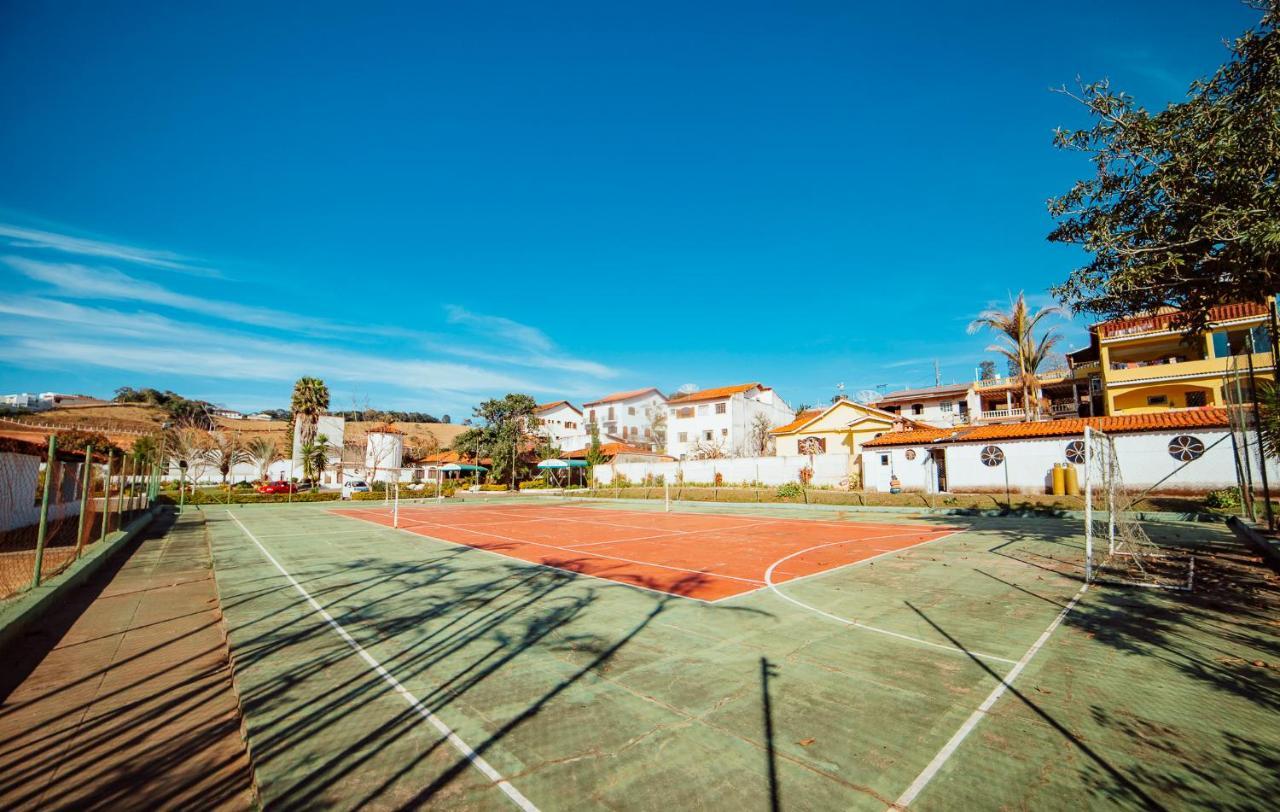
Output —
<point x="1144" y="462"/>
<point x="560" y="422"/>
<point x="19" y="501"/>
<point x="828" y="469"/>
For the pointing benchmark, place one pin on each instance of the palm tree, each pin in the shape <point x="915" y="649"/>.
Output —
<point x="263" y="451"/>
<point x="1017" y="342"/>
<point x="230" y="453"/>
<point x="310" y="400"/>
<point x="315" y="458"/>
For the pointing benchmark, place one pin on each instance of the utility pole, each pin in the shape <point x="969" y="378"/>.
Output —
<point x="937" y="373"/>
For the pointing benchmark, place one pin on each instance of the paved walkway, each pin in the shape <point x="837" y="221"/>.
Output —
<point x="124" y="699"/>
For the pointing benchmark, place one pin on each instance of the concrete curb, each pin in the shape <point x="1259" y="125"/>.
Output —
<point x="19" y="615"/>
<point x="1251" y="535"/>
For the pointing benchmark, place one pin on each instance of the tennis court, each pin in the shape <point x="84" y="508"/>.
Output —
<point x="533" y="654"/>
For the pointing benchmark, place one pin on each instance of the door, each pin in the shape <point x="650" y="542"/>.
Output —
<point x="939" y="457"/>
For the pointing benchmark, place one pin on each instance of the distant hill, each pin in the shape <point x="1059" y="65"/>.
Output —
<point x="124" y="422"/>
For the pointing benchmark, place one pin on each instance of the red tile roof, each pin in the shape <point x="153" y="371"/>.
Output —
<point x="611" y="450"/>
<point x="715" y="394"/>
<point x="806" y="416"/>
<point x="1164" y="319"/>
<point x="1162" y="421"/>
<point x="616" y="396"/>
<point x="545" y="407"/>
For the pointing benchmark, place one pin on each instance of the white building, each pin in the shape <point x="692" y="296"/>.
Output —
<point x="722" y="420"/>
<point x="331" y="428"/>
<point x="1181" y="452"/>
<point x="636" y="417"/>
<point x="947" y="405"/>
<point x="229" y="414"/>
<point x="562" y="423"/>
<point x="22" y="400"/>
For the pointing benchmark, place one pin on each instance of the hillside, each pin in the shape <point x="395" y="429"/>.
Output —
<point x="124" y="422"/>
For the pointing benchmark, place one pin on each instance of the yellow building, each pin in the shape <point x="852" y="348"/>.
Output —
<point x="841" y="428"/>
<point x="1144" y="364"/>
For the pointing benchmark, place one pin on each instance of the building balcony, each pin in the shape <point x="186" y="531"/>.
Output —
<point x="1173" y="367"/>
<point x="1045" y="376"/>
<point x="1004" y="414"/>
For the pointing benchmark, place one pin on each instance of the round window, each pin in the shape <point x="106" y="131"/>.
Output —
<point x="1185" y="448"/>
<point x="992" y="455"/>
<point x="911" y="454"/>
<point x="1075" y="451"/>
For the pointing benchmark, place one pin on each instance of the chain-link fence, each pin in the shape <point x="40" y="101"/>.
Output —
<point x="55" y="506"/>
<point x="1240" y="386"/>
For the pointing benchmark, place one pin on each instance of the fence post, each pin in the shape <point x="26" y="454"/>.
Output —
<point x="44" y="510"/>
<point x="106" y="495"/>
<point x="86" y="482"/>
<point x="124" y="478"/>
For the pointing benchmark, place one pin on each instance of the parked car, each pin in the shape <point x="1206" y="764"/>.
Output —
<point x="278" y="487"/>
<point x="354" y="486"/>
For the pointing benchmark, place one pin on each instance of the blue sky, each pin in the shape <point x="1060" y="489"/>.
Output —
<point x="427" y="204"/>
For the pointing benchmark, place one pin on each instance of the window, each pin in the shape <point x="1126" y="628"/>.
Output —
<point x="685" y="412"/>
<point x="631" y="410"/>
<point x="1195" y="399"/>
<point x="910" y="454"/>
<point x="946" y="406"/>
<point x="702" y="409"/>
<point x="724" y="432"/>
<point x="893" y="409"/>
<point x="720" y="408"/>
<point x="1185" y="448"/>
<point x="964" y="407"/>
<point x="610" y="413"/>
<point x="707" y="435"/>
<point x="648" y="432"/>
<point x="1236" y="342"/>
<point x="991" y="456"/>
<point x="592" y="418"/>
<point x="917" y="408"/>
<point x="684" y="436"/>
<point x="884" y="459"/>
<point x="1157" y="400"/>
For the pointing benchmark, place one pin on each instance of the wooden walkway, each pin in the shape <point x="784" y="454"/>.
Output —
<point x="124" y="697"/>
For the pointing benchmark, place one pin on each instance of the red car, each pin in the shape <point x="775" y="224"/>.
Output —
<point x="278" y="487"/>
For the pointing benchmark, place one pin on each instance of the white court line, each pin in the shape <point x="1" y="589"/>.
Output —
<point x="769" y="505"/>
<point x="948" y="749"/>
<point x="669" y="534"/>
<point x="477" y="760"/>
<point x="572" y="550"/>
<point x="769" y="582"/>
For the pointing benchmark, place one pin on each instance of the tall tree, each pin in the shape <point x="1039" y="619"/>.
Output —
<point x="263" y="451"/>
<point x="987" y="371"/>
<point x="506" y="426"/>
<point x="1017" y="342"/>
<point x="1183" y="206"/>
<point x="310" y="400"/>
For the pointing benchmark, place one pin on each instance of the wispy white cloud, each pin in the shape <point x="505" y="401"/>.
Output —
<point x="21" y="237"/>
<point x="42" y="332"/>
<point x="83" y="282"/>
<point x="533" y="347"/>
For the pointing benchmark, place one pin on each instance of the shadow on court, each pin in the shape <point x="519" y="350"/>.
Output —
<point x="439" y="622"/>
<point x="123" y="698"/>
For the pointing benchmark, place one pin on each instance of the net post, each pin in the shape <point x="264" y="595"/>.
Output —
<point x="44" y="510"/>
<point x="395" y="508"/>
<point x="106" y="496"/>
<point x="1088" y="504"/>
<point x="86" y="480"/>
<point x="666" y="495"/>
<point x="1112" y="486"/>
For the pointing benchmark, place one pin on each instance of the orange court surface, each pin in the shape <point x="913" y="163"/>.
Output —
<point x="704" y="556"/>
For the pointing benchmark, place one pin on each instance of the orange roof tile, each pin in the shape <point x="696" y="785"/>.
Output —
<point x="1165" y="317"/>
<point x="715" y="394"/>
<point x="804" y="417"/>
<point x="544" y="407"/>
<point x="1074" y="427"/>
<point x="616" y="396"/>
<point x="611" y="450"/>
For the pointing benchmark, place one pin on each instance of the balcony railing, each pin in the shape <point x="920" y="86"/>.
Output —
<point x="1003" y="414"/>
<point x="1044" y="376"/>
<point x="1064" y="408"/>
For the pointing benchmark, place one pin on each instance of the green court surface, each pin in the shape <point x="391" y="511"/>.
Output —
<point x="945" y="676"/>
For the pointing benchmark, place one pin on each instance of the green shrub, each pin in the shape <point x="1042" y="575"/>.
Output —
<point x="791" y="490"/>
<point x="1225" y="499"/>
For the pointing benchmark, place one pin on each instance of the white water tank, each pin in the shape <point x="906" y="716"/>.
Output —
<point x="384" y="451"/>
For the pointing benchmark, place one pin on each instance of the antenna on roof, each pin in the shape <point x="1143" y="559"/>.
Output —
<point x="937" y="373"/>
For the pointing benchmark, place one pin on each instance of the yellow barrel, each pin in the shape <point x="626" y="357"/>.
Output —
<point x="1059" y="480"/>
<point x="1073" y="481"/>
